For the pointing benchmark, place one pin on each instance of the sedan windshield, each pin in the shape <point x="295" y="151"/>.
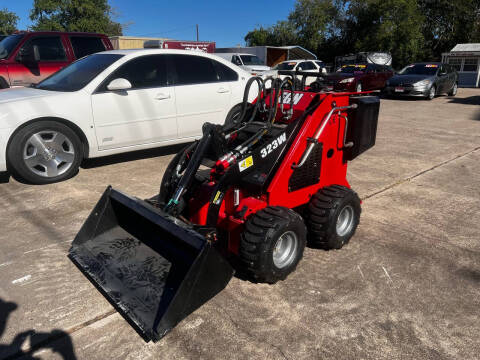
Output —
<point x="251" y="60"/>
<point x="352" y="69"/>
<point x="78" y="74"/>
<point x="8" y="44"/>
<point x="419" y="69"/>
<point x="285" y="66"/>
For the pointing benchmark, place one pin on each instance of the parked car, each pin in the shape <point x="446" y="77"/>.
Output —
<point x="359" y="77"/>
<point x="247" y="62"/>
<point x="29" y="57"/>
<point x="313" y="66"/>
<point x="424" y="80"/>
<point x="114" y="102"/>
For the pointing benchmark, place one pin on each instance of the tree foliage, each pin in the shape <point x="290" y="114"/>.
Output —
<point x="386" y="25"/>
<point x="448" y="23"/>
<point x="412" y="30"/>
<point x="8" y="22"/>
<point x="74" y="15"/>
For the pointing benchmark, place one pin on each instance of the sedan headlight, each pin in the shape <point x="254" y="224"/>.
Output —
<point x="347" y="80"/>
<point x="422" y="83"/>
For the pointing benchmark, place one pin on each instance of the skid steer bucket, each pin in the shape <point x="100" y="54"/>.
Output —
<point x="151" y="266"/>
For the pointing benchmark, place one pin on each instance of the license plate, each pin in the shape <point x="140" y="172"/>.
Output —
<point x="399" y="89"/>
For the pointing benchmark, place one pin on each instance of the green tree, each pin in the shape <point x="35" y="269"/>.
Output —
<point x="8" y="22"/>
<point x="386" y="25"/>
<point x="258" y="37"/>
<point x="74" y="15"/>
<point x="412" y="30"/>
<point x="448" y="23"/>
<point x="312" y="24"/>
<point x="280" y="34"/>
<point x="316" y="22"/>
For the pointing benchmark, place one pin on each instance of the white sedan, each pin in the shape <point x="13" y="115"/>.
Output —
<point x="313" y="66"/>
<point x="114" y="102"/>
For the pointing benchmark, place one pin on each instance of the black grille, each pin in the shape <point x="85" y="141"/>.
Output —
<point x="309" y="173"/>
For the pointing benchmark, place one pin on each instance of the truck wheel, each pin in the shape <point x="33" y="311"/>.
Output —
<point x="45" y="152"/>
<point x="333" y="216"/>
<point x="272" y="244"/>
<point x="453" y="92"/>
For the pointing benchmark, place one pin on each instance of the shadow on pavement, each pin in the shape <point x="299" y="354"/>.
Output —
<point x="471" y="100"/>
<point x="132" y="156"/>
<point x="57" y="341"/>
<point x="110" y="160"/>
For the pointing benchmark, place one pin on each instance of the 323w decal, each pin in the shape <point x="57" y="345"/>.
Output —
<point x="273" y="145"/>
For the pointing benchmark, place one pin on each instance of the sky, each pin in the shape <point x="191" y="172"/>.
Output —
<point x="224" y="21"/>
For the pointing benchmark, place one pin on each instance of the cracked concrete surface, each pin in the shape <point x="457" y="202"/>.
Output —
<point x="406" y="287"/>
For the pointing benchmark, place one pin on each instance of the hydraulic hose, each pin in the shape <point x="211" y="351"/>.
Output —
<point x="181" y="161"/>
<point x="288" y="82"/>
<point x="192" y="167"/>
<point x="275" y="94"/>
<point x="270" y="92"/>
<point x="245" y="103"/>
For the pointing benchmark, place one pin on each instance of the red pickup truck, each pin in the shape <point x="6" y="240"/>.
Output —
<point x="28" y="57"/>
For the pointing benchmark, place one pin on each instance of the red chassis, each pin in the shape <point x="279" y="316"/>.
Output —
<point x="333" y="167"/>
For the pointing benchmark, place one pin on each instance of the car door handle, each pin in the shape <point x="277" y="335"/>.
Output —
<point x="162" y="96"/>
<point x="222" y="90"/>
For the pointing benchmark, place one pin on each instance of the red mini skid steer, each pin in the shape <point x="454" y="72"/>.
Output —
<point x="247" y="196"/>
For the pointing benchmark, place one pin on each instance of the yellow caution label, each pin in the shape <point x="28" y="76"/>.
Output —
<point x="245" y="163"/>
<point x="217" y="198"/>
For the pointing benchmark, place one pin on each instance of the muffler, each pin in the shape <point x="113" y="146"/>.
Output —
<point x="154" y="268"/>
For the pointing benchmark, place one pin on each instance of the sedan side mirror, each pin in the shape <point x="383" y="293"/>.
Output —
<point x="119" y="84"/>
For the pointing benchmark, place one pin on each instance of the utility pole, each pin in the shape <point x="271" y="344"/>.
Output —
<point x="197" y="32"/>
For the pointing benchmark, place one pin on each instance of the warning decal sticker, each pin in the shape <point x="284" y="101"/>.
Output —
<point x="245" y="163"/>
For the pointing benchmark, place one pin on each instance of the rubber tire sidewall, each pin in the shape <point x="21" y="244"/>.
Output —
<point x="454" y="90"/>
<point x="264" y="269"/>
<point x="166" y="187"/>
<point x="237" y="109"/>
<point x="336" y="241"/>
<point x="331" y="240"/>
<point x="17" y="143"/>
<point x="430" y="92"/>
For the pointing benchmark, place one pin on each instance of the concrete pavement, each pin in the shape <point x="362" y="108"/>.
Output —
<point x="407" y="286"/>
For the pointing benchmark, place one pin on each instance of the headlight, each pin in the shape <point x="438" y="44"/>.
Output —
<point x="422" y="83"/>
<point x="347" y="80"/>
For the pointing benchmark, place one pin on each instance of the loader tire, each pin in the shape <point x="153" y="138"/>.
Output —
<point x="272" y="244"/>
<point x="333" y="216"/>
